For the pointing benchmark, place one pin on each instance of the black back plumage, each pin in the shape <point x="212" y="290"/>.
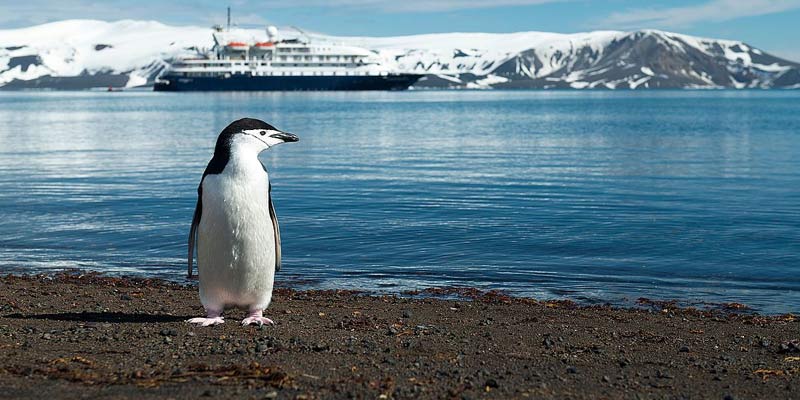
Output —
<point x="222" y="154"/>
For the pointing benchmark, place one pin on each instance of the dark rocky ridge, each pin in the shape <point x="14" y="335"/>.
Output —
<point x="672" y="63"/>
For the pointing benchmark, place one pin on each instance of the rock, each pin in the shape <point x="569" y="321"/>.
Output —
<point x="406" y="314"/>
<point x="684" y="349"/>
<point x="491" y="383"/>
<point x="47" y="336"/>
<point x="606" y="379"/>
<point x="791" y="346"/>
<point x="321" y="346"/>
<point x="728" y="397"/>
<point x="572" y="369"/>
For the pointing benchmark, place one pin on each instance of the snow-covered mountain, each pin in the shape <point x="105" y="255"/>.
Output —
<point x="78" y="54"/>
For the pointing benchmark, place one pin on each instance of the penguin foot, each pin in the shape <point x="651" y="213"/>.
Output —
<point x="199" y="321"/>
<point x="256" y="317"/>
<point x="213" y="318"/>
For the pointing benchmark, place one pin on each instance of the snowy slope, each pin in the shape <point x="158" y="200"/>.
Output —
<point x="86" y="53"/>
<point x="136" y="49"/>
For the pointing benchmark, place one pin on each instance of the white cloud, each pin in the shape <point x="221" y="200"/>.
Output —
<point x="681" y="17"/>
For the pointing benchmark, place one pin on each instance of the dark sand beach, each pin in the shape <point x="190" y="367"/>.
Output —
<point x="87" y="336"/>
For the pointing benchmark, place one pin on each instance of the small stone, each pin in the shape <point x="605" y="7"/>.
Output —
<point x="684" y="349"/>
<point x="167" y="339"/>
<point x="406" y="314"/>
<point x="271" y="395"/>
<point x="190" y="333"/>
<point x="572" y="369"/>
<point x="663" y="375"/>
<point x="606" y="379"/>
<point x="320" y="347"/>
<point x="47" y="336"/>
<point x="491" y="383"/>
<point x="728" y="397"/>
<point x="791" y="346"/>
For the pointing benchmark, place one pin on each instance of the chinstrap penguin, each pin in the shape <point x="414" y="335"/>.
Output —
<point x="235" y="226"/>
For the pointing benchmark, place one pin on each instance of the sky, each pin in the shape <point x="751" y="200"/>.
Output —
<point x="771" y="25"/>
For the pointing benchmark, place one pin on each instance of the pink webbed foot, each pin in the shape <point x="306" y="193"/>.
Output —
<point x="256" y="317"/>
<point x="214" y="318"/>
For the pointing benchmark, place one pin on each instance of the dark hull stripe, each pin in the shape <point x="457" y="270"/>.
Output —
<point x="174" y="83"/>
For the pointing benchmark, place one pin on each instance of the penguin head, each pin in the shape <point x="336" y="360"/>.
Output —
<point x="252" y="134"/>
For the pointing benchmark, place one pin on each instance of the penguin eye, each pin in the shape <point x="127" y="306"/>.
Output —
<point x="263" y="133"/>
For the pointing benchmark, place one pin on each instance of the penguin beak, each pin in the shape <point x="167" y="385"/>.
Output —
<point x="285" y="136"/>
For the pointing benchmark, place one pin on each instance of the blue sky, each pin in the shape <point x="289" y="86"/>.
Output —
<point x="772" y="25"/>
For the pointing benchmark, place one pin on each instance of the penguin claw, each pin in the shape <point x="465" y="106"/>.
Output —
<point x="257" y="320"/>
<point x="200" y="321"/>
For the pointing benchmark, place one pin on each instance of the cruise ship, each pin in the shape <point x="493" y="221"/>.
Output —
<point x="240" y="61"/>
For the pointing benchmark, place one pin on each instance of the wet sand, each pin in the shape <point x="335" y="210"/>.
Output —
<point x="71" y="336"/>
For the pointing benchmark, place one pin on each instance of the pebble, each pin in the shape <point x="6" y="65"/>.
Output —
<point x="321" y="346"/>
<point x="406" y="314"/>
<point x="47" y="336"/>
<point x="791" y="346"/>
<point x="491" y="383"/>
<point x="572" y="369"/>
<point x="684" y="349"/>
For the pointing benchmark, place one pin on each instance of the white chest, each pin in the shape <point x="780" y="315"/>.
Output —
<point x="235" y="227"/>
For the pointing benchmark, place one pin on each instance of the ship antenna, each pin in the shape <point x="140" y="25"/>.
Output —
<point x="308" y="38"/>
<point x="229" y="20"/>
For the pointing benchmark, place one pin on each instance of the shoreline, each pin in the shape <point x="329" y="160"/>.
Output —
<point x="66" y="335"/>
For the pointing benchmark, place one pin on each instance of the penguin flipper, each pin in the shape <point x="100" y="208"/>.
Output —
<point x="276" y="230"/>
<point x="198" y="211"/>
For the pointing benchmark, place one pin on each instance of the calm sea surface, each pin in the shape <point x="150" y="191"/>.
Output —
<point x="591" y="196"/>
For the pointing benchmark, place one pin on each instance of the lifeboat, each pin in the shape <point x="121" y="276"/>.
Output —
<point x="264" y="44"/>
<point x="237" y="45"/>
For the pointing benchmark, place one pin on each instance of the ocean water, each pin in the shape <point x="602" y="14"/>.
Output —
<point x="594" y="196"/>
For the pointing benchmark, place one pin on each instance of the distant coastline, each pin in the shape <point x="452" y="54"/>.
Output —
<point x="84" y="54"/>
